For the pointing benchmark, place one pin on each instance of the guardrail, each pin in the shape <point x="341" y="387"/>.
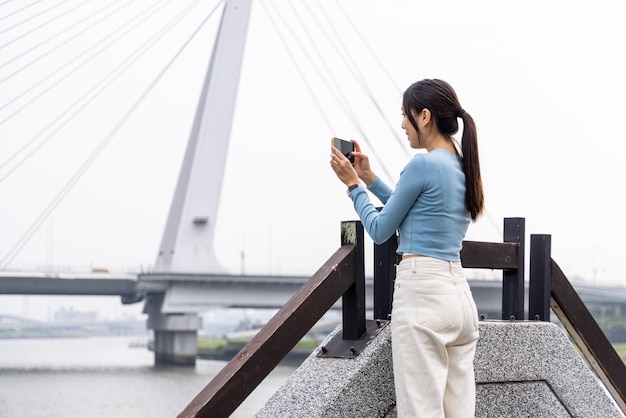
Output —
<point x="343" y="276"/>
<point x="550" y="288"/>
<point x="270" y="345"/>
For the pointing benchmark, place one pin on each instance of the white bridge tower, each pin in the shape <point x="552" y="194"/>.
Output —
<point x="187" y="244"/>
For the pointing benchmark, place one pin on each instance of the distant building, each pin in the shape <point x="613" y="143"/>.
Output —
<point x="70" y="315"/>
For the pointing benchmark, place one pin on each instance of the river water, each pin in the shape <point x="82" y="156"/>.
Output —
<point x="102" y="377"/>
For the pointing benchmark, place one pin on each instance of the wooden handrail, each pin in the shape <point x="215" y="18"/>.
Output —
<point x="588" y="336"/>
<point x="489" y="255"/>
<point x="336" y="278"/>
<point x="549" y="288"/>
<point x="270" y="345"/>
<point x="274" y="341"/>
<point x="508" y="257"/>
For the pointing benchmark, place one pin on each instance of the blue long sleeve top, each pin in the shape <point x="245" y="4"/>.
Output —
<point x="427" y="207"/>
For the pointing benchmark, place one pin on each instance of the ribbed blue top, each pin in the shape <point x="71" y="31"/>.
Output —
<point x="427" y="207"/>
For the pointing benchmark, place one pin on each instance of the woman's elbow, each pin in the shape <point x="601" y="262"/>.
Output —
<point x="380" y="238"/>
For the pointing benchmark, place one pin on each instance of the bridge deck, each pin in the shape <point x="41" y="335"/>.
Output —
<point x="94" y="286"/>
<point x="254" y="291"/>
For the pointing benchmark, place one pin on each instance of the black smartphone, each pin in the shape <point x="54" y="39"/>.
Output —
<point x="345" y="147"/>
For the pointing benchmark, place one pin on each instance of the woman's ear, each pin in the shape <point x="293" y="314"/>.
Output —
<point x="425" y="115"/>
<point x="422" y="118"/>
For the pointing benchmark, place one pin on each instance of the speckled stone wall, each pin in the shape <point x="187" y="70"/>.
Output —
<point x="523" y="369"/>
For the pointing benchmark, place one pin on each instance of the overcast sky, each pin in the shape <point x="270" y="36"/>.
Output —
<point x="543" y="80"/>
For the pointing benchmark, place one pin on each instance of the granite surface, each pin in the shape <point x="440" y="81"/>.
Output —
<point x="523" y="369"/>
<point x="338" y="387"/>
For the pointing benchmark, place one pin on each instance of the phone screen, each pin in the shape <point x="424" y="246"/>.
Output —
<point x="345" y="147"/>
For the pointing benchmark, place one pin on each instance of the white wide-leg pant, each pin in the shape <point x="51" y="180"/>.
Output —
<point x="434" y="330"/>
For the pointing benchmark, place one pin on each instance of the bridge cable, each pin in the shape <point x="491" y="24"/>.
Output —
<point x="399" y="90"/>
<point x="348" y="59"/>
<point x="42" y="12"/>
<point x="80" y="54"/>
<point x="386" y="72"/>
<point x="14" y="12"/>
<point x="105" y="141"/>
<point x="347" y="64"/>
<point x="344" y="102"/>
<point x="120" y="35"/>
<point x="68" y="109"/>
<point x="336" y="91"/>
<point x="342" y="99"/>
<point x="103" y="83"/>
<point x="357" y="75"/>
<point x="351" y="65"/>
<point x="48" y="38"/>
<point x="300" y="71"/>
<point x="319" y="54"/>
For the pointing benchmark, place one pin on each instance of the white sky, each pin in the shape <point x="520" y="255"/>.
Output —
<point x="543" y="80"/>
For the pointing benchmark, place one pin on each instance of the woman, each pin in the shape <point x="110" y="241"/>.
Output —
<point x="434" y="326"/>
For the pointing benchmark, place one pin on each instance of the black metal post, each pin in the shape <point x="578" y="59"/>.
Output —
<point x="513" y="279"/>
<point x="353" y="300"/>
<point x="540" y="277"/>
<point x="385" y="261"/>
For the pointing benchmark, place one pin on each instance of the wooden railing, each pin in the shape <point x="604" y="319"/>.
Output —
<point x="270" y="345"/>
<point x="343" y="276"/>
<point x="550" y="288"/>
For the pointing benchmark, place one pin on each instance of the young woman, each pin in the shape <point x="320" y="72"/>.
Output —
<point x="434" y="325"/>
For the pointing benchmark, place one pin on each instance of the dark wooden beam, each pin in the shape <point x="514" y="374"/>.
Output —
<point x="232" y="385"/>
<point x="489" y="255"/>
<point x="588" y="336"/>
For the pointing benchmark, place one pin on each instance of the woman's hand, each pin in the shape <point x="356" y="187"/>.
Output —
<point x="343" y="168"/>
<point x="362" y="165"/>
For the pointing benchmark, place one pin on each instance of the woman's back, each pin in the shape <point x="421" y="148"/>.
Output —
<point x="438" y="220"/>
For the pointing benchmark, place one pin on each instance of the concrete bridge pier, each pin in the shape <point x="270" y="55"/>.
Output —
<point x="175" y="335"/>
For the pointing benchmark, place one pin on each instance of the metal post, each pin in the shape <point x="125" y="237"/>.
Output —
<point x="513" y="279"/>
<point x="385" y="261"/>
<point x="540" y="277"/>
<point x="353" y="300"/>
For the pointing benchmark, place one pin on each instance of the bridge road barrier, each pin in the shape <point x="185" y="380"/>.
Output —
<point x="340" y="276"/>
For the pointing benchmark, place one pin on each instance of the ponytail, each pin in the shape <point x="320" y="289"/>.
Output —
<point x="474" y="199"/>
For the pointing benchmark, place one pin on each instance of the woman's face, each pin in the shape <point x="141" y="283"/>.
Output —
<point x="410" y="130"/>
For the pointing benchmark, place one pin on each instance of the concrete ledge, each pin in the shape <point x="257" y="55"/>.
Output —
<point x="529" y="368"/>
<point x="519" y="399"/>
<point x="338" y="387"/>
<point x="523" y="369"/>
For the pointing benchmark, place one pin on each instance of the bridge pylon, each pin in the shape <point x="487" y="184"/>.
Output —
<point x="187" y="245"/>
<point x="187" y="242"/>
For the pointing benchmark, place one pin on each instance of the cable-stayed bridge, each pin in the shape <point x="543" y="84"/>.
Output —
<point x="187" y="276"/>
<point x="187" y="244"/>
<point x="78" y="85"/>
